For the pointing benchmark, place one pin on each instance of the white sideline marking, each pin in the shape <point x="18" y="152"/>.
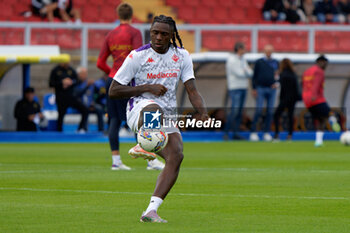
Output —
<point x="175" y="194"/>
<point x="237" y="169"/>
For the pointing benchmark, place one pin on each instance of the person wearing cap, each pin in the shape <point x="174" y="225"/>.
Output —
<point x="27" y="112"/>
<point x="313" y="96"/>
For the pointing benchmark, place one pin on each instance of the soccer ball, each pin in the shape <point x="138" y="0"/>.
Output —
<point x="345" y="138"/>
<point x="152" y="140"/>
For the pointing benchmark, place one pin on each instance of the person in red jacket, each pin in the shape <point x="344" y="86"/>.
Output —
<point x="118" y="43"/>
<point x="313" y="96"/>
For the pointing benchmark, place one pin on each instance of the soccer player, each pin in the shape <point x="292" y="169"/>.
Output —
<point x="314" y="100"/>
<point x="119" y="43"/>
<point x="154" y="71"/>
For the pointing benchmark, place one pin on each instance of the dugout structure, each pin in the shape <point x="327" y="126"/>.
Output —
<point x="15" y="63"/>
<point x="211" y="79"/>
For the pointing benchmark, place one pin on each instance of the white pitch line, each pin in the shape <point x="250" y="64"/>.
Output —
<point x="177" y="194"/>
<point x="237" y="169"/>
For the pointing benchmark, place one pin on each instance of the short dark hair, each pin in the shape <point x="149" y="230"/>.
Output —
<point x="125" y="11"/>
<point x="28" y="90"/>
<point x="322" y="57"/>
<point x="238" y="45"/>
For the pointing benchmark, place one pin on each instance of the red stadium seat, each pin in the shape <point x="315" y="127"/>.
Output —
<point x="192" y="3"/>
<point x="203" y="14"/>
<point x="221" y="15"/>
<point x="186" y="13"/>
<point x="209" y="3"/>
<point x="109" y="14"/>
<point x="253" y="15"/>
<point x="225" y="3"/>
<point x="175" y="3"/>
<point x="14" y="36"/>
<point x="90" y="13"/>
<point x="43" y="37"/>
<point x="238" y="16"/>
<point x="243" y="3"/>
<point x="211" y="42"/>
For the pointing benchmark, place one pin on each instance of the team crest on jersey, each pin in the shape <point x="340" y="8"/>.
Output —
<point x="175" y="58"/>
<point x="150" y="60"/>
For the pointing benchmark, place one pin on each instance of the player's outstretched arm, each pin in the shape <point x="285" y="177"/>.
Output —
<point x="118" y="91"/>
<point x="196" y="98"/>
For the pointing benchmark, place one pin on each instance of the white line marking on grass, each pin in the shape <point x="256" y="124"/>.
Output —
<point x="176" y="194"/>
<point x="236" y="169"/>
<point x="46" y="171"/>
<point x="245" y="169"/>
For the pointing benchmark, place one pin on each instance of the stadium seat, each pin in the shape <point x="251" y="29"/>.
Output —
<point x="49" y="103"/>
<point x="221" y="15"/>
<point x="192" y="3"/>
<point x="203" y="15"/>
<point x="253" y="15"/>
<point x="43" y="37"/>
<point x="211" y="42"/>
<point x="238" y="16"/>
<point x="209" y="3"/>
<point x="243" y="3"/>
<point x="186" y="13"/>
<point x="225" y="3"/>
<point x="14" y="37"/>
<point x="109" y="14"/>
<point x="174" y="3"/>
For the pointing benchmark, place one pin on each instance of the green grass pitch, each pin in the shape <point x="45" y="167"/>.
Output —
<point x="222" y="187"/>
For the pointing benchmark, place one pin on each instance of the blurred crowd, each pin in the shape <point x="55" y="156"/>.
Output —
<point x="307" y="11"/>
<point x="54" y="9"/>
<point x="73" y="89"/>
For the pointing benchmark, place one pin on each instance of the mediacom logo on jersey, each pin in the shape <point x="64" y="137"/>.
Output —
<point x="161" y="75"/>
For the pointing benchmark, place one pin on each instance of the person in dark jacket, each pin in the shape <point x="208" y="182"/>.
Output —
<point x="274" y="10"/>
<point x="64" y="78"/>
<point x="344" y="10"/>
<point x="27" y="112"/>
<point x="289" y="95"/>
<point x="326" y="11"/>
<point x="264" y="89"/>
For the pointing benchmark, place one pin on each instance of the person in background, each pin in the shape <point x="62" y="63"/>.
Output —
<point x="100" y="92"/>
<point x="147" y="32"/>
<point x="289" y="95"/>
<point x="292" y="10"/>
<point x="64" y="78"/>
<point x="42" y="8"/>
<point x="313" y="96"/>
<point x="237" y="73"/>
<point x="264" y="83"/>
<point x="84" y="92"/>
<point x="27" y="112"/>
<point x="326" y="11"/>
<point x="273" y="10"/>
<point x="306" y="12"/>
<point x="344" y="10"/>
<point x="66" y="11"/>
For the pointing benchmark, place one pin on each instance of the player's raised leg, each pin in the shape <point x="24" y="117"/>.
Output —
<point x="137" y="151"/>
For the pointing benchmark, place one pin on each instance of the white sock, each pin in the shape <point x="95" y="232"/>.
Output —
<point x="116" y="159"/>
<point x="319" y="137"/>
<point x="154" y="204"/>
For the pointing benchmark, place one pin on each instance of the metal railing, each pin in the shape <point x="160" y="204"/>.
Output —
<point x="197" y="29"/>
